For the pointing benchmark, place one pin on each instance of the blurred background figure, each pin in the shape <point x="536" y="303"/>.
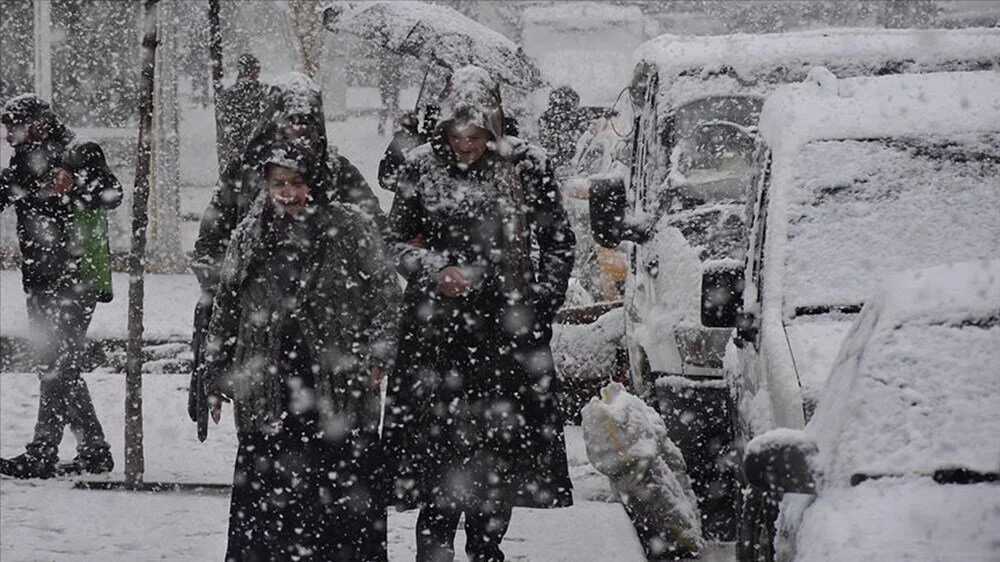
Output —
<point x="389" y="83"/>
<point x="560" y="125"/>
<point x="242" y="109"/>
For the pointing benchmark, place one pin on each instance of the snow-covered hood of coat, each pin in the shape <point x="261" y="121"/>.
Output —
<point x="472" y="98"/>
<point x="293" y="99"/>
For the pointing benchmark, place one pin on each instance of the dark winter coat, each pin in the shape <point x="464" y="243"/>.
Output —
<point x="345" y="308"/>
<point x="50" y="249"/>
<point x="471" y="406"/>
<point x="243" y="105"/>
<point x="561" y="124"/>
<point x="243" y="179"/>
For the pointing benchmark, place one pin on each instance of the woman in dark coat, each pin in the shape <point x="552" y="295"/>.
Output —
<point x="486" y="249"/>
<point x="303" y="328"/>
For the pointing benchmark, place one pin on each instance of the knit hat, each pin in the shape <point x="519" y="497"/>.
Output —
<point x="26" y="109"/>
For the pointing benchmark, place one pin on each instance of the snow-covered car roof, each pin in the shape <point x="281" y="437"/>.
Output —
<point x="916" y="385"/>
<point x="754" y="64"/>
<point x="583" y="15"/>
<point x="827" y="107"/>
<point x="747" y="54"/>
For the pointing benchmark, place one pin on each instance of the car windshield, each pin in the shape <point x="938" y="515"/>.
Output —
<point x="711" y="142"/>
<point x="862" y="209"/>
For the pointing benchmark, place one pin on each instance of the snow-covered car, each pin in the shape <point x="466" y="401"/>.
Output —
<point x="901" y="460"/>
<point x="856" y="179"/>
<point x="684" y="209"/>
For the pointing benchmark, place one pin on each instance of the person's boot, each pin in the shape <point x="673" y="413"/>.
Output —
<point x="94" y="461"/>
<point x="26" y="466"/>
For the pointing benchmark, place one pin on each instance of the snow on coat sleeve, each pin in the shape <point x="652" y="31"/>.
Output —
<point x="351" y="187"/>
<point x="230" y="274"/>
<point x="405" y="238"/>
<point x="216" y="227"/>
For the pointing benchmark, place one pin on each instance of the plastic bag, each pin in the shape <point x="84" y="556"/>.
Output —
<point x="627" y="441"/>
<point x="95" y="250"/>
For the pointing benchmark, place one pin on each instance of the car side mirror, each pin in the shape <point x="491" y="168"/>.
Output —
<point x="781" y="460"/>
<point x="722" y="296"/>
<point x="609" y="222"/>
<point x="607" y="210"/>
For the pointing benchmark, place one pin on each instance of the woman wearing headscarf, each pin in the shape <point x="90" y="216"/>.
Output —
<point x="302" y="330"/>
<point x="293" y="111"/>
<point x="484" y="243"/>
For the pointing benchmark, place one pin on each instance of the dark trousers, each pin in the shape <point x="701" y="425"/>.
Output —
<point x="485" y="528"/>
<point x="295" y="497"/>
<point x="60" y="320"/>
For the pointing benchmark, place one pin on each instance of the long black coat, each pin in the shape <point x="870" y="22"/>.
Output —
<point x="345" y="307"/>
<point x="51" y="255"/>
<point x="471" y="407"/>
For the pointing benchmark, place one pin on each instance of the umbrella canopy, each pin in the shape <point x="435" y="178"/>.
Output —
<point x="437" y="34"/>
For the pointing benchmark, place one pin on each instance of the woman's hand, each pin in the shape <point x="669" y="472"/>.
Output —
<point x="452" y="282"/>
<point x="215" y="401"/>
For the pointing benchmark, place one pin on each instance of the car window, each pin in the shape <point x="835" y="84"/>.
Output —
<point x="716" y="232"/>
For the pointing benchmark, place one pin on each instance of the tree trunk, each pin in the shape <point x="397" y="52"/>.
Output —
<point x="215" y="57"/>
<point x="164" y="253"/>
<point x="307" y="26"/>
<point x="134" y="461"/>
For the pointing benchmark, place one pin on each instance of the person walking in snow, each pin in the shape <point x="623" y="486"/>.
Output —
<point x="294" y="112"/>
<point x="242" y="108"/>
<point x="481" y="236"/>
<point x="52" y="183"/>
<point x="390" y="80"/>
<point x="303" y="330"/>
<point x="561" y="124"/>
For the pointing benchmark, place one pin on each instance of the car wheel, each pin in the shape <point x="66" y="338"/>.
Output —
<point x="755" y="532"/>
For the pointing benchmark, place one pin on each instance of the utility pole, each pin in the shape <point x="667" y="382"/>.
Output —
<point x="134" y="457"/>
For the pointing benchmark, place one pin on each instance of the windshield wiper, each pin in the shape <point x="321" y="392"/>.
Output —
<point x="964" y="476"/>
<point x="827" y="309"/>
<point x="941" y="476"/>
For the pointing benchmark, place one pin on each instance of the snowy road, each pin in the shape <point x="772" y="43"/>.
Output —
<point x="49" y="520"/>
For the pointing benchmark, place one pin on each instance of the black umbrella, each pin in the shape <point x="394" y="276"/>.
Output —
<point x="437" y="34"/>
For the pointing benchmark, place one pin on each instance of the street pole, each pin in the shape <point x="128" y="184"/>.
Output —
<point x="215" y="56"/>
<point x="134" y="458"/>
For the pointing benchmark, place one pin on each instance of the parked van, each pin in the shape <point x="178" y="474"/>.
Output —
<point x="853" y="180"/>
<point x="684" y="205"/>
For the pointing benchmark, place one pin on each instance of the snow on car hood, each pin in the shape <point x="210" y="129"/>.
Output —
<point x="814" y="342"/>
<point x="902" y="519"/>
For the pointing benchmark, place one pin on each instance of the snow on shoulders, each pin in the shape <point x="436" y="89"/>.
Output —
<point x="419" y="152"/>
<point x="299" y="92"/>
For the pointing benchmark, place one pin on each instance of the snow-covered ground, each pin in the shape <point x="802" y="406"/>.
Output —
<point x="50" y="520"/>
